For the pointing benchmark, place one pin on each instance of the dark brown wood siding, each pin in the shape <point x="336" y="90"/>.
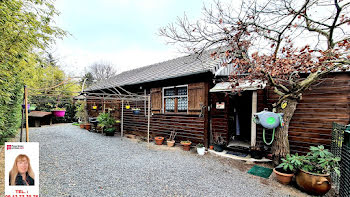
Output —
<point x="156" y="100"/>
<point x="189" y="126"/>
<point x="219" y="117"/>
<point x="325" y="102"/>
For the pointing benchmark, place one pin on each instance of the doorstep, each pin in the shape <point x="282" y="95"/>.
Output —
<point x="247" y="158"/>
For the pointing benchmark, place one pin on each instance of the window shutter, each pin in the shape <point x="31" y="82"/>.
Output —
<point x="156" y="100"/>
<point x="197" y="97"/>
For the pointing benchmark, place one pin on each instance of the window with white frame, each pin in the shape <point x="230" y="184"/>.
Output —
<point x="175" y="99"/>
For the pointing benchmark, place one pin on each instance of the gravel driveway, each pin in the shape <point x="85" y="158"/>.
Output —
<point x="75" y="162"/>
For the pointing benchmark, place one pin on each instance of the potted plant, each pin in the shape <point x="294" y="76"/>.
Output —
<point x="28" y="106"/>
<point x="159" y="140"/>
<point x="200" y="149"/>
<point x="107" y="122"/>
<point x="58" y="112"/>
<point x="255" y="152"/>
<point x="315" y="170"/>
<point x="219" y="144"/>
<point x="136" y="111"/>
<point x="171" y="140"/>
<point x="285" y="170"/>
<point x="81" y="115"/>
<point x="186" y="145"/>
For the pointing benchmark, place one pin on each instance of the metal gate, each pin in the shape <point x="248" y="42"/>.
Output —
<point x="336" y="148"/>
<point x="344" y="190"/>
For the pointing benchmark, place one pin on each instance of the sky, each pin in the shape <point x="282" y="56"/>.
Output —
<point x="120" y="32"/>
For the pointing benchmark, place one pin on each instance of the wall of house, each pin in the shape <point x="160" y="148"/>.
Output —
<point x="325" y="102"/>
<point x="191" y="126"/>
<point x="219" y="117"/>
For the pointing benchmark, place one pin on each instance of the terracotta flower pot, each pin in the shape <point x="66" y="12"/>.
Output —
<point x="159" y="140"/>
<point x="87" y="127"/>
<point x="170" y="143"/>
<point x="283" y="178"/>
<point x="81" y="126"/>
<point x="186" y="146"/>
<point x="211" y="147"/>
<point x="316" y="184"/>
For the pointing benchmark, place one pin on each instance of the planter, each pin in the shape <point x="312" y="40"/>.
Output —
<point x="81" y="126"/>
<point x="186" y="146"/>
<point x="28" y="106"/>
<point x="283" y="177"/>
<point x="110" y="134"/>
<point x="127" y="106"/>
<point x="94" y="107"/>
<point x="316" y="184"/>
<point x="58" y="113"/>
<point x="218" y="148"/>
<point x="211" y="147"/>
<point x="109" y="131"/>
<point x="159" y="140"/>
<point x="201" y="151"/>
<point x="136" y="111"/>
<point x="87" y="126"/>
<point x="256" y="154"/>
<point x="170" y="143"/>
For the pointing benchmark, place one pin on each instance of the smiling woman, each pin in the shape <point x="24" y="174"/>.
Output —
<point x="21" y="173"/>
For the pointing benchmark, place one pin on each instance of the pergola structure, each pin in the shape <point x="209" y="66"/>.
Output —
<point x="120" y="94"/>
<point x="115" y="93"/>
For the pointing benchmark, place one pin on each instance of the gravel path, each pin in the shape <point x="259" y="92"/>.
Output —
<point x="75" y="162"/>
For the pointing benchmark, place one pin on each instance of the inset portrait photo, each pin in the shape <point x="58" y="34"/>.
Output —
<point x="21" y="168"/>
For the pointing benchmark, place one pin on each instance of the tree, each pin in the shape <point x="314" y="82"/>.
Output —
<point x="88" y="78"/>
<point x="259" y="40"/>
<point x="25" y="29"/>
<point x="102" y="70"/>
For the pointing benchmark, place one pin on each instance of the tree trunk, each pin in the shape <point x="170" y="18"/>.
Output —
<point x="280" y="147"/>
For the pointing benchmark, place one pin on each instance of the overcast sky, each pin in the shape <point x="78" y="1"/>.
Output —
<point x="123" y="32"/>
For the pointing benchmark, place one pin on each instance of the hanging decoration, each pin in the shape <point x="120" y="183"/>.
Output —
<point x="269" y="120"/>
<point x="94" y="106"/>
<point x="136" y="110"/>
<point x="127" y="106"/>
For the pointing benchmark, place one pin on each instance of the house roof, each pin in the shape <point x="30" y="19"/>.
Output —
<point x="178" y="67"/>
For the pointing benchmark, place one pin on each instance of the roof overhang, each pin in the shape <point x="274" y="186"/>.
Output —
<point x="243" y="86"/>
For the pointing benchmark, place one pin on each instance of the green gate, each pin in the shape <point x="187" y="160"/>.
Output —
<point x="344" y="190"/>
<point x="336" y="148"/>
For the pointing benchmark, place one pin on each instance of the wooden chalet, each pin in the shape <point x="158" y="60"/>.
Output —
<point x="189" y="95"/>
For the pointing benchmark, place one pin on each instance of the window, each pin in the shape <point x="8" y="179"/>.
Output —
<point x="175" y="99"/>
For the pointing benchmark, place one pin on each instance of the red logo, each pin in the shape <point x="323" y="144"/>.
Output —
<point x="8" y="147"/>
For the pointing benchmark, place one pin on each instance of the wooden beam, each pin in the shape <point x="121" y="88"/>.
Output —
<point x="253" y="125"/>
<point x="26" y="110"/>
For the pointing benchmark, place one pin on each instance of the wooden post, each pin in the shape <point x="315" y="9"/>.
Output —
<point x="122" y="120"/>
<point x="149" y="117"/>
<point x="253" y="125"/>
<point x="26" y="110"/>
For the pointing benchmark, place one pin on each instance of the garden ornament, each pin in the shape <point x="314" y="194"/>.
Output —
<point x="269" y="120"/>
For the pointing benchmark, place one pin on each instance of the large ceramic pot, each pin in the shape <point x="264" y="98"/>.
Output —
<point x="284" y="178"/>
<point x="316" y="184"/>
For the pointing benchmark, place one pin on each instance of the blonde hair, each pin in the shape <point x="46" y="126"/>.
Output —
<point x="14" y="170"/>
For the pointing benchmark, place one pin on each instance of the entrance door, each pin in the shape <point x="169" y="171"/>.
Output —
<point x="239" y="119"/>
